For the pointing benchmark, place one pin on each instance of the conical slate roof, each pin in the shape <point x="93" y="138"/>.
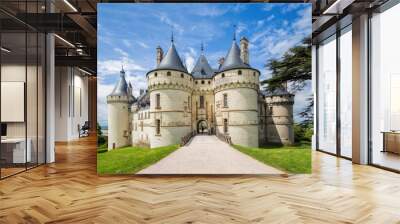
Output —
<point x="121" y="89"/>
<point x="172" y="60"/>
<point x="232" y="59"/>
<point x="202" y="70"/>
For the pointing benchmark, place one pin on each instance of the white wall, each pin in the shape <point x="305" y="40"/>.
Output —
<point x="71" y="103"/>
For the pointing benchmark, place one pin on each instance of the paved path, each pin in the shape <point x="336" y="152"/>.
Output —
<point x="206" y="154"/>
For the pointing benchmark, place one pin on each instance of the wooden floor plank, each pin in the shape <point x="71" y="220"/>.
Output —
<point x="70" y="191"/>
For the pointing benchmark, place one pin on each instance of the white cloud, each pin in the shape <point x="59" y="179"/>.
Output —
<point x="268" y="7"/>
<point x="190" y="58"/>
<point x="291" y="7"/>
<point x="210" y="10"/>
<point x="121" y="52"/>
<point x="127" y="43"/>
<point x="112" y="67"/>
<point x="240" y="28"/>
<point x="143" y="44"/>
<point x="303" y="23"/>
<point x="176" y="27"/>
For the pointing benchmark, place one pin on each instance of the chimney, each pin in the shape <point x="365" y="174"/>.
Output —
<point x="221" y="61"/>
<point x="160" y="54"/>
<point x="244" y="50"/>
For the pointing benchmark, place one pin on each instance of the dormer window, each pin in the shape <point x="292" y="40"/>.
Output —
<point x="168" y="73"/>
<point x="240" y="72"/>
<point x="155" y="74"/>
<point x="223" y="75"/>
<point x="181" y="75"/>
<point x="202" y="81"/>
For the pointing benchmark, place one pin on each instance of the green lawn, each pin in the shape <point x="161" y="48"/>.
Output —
<point x="130" y="160"/>
<point x="292" y="159"/>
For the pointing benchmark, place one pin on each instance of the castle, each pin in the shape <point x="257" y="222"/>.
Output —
<point x="224" y="101"/>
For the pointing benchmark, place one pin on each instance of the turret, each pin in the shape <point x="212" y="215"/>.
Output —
<point x="236" y="92"/>
<point x="118" y="102"/>
<point x="169" y="87"/>
<point x="279" y="105"/>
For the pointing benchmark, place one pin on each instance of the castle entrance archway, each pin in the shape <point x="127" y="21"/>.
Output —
<point x="202" y="127"/>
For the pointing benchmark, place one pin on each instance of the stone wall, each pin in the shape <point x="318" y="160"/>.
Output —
<point x="118" y="122"/>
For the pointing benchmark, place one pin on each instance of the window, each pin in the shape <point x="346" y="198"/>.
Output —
<point x="188" y="102"/>
<point x="254" y="74"/>
<point x="158" y="101"/>
<point x="155" y="74"/>
<point x="240" y="72"/>
<point x="141" y="125"/>
<point x="271" y="111"/>
<point x="168" y="73"/>
<point x="327" y="95"/>
<point x="209" y="82"/>
<point x="158" y="127"/>
<point x="225" y="125"/>
<point x="182" y="75"/>
<point x="202" y="102"/>
<point x="223" y="75"/>
<point x="195" y="82"/>
<point x="385" y="88"/>
<point x="225" y="100"/>
<point x="202" y="81"/>
<point x="345" y="83"/>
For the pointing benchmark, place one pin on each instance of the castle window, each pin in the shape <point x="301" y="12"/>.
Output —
<point x="209" y="82"/>
<point x="202" y="81"/>
<point x="225" y="100"/>
<point x="225" y="125"/>
<point x="158" y="101"/>
<point x="155" y="74"/>
<point x="212" y="112"/>
<point x="240" y="72"/>
<point x="223" y="75"/>
<point x="202" y="102"/>
<point x="141" y="125"/>
<point x="270" y="110"/>
<point x="189" y="102"/>
<point x="195" y="82"/>
<point x="254" y="74"/>
<point x="168" y="73"/>
<point x="158" y="126"/>
<point x="181" y="75"/>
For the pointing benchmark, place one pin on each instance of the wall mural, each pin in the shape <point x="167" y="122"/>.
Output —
<point x="188" y="94"/>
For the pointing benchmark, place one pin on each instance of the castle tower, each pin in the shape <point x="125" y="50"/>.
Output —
<point x="203" y="96"/>
<point x="170" y="87"/>
<point x="118" y="114"/>
<point x="279" y="119"/>
<point x="236" y="98"/>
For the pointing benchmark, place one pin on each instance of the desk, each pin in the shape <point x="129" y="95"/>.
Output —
<point x="13" y="150"/>
<point x="391" y="141"/>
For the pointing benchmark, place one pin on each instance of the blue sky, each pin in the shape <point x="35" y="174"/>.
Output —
<point x="129" y="33"/>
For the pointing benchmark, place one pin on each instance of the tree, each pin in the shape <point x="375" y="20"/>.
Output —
<point x="294" y="67"/>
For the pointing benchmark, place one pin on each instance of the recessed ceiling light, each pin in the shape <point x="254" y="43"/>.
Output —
<point x="5" y="50"/>
<point x="64" y="40"/>
<point x="70" y="5"/>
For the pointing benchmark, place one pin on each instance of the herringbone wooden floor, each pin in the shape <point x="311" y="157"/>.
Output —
<point x="70" y="191"/>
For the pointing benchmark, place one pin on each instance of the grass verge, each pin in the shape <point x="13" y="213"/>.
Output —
<point x="130" y="160"/>
<point x="292" y="159"/>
